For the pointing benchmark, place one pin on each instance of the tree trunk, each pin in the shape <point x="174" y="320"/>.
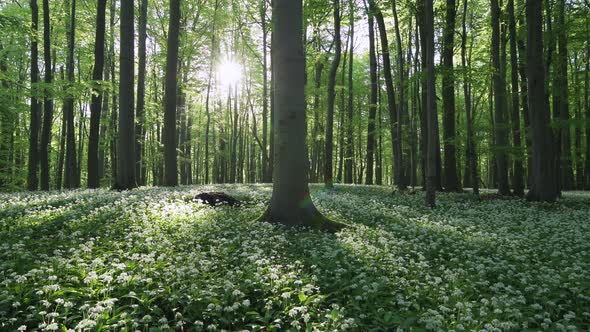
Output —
<point x="170" y="154"/>
<point x="71" y="163"/>
<point x="47" y="101"/>
<point x="567" y="177"/>
<point x="32" y="179"/>
<point x="140" y="167"/>
<point x="450" y="177"/>
<point x="126" y="133"/>
<point x="544" y="179"/>
<point x="402" y="113"/>
<point x="372" y="102"/>
<point x="349" y="150"/>
<point x="328" y="164"/>
<point x="431" y="110"/>
<point x="291" y="202"/>
<point x="518" y="177"/>
<point x="265" y="157"/>
<point x="499" y="84"/>
<point x="471" y="146"/>
<point x="394" y="121"/>
<point x="96" y="105"/>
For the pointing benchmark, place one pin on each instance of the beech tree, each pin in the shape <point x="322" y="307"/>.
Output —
<point x="291" y="203"/>
<point x="126" y="131"/>
<point x="97" y="96"/>
<point x="544" y="185"/>
<point x="170" y="98"/>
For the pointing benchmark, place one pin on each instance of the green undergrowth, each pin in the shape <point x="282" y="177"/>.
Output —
<point x="154" y="260"/>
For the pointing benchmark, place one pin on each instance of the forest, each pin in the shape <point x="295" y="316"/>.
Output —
<point x="294" y="165"/>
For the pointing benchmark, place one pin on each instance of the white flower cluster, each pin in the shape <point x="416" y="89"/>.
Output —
<point x="154" y="259"/>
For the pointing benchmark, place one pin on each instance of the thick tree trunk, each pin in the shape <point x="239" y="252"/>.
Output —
<point x="499" y="84"/>
<point x="291" y="202"/>
<point x="451" y="176"/>
<point x="170" y="154"/>
<point x="33" y="165"/>
<point x="328" y="164"/>
<point x="544" y="179"/>
<point x="126" y="178"/>
<point x="518" y="177"/>
<point x="47" y="101"/>
<point x="96" y="105"/>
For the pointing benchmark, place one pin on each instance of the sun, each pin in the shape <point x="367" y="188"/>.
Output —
<point x="229" y="73"/>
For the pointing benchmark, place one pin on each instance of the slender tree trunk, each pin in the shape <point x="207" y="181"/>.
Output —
<point x="349" y="151"/>
<point x="402" y="113"/>
<point x="317" y="127"/>
<point x="567" y="177"/>
<point x="328" y="164"/>
<point x="45" y="143"/>
<point x="394" y="121"/>
<point x="544" y="185"/>
<point x="265" y="157"/>
<point x="579" y="180"/>
<point x="32" y="179"/>
<point x="372" y="102"/>
<point x="450" y="177"/>
<point x="471" y="146"/>
<point x="587" y="101"/>
<point x="7" y="126"/>
<point x="140" y="133"/>
<point x="208" y="96"/>
<point x="431" y="110"/>
<point x="126" y="178"/>
<point x="170" y="155"/>
<point x="71" y="163"/>
<point x="96" y="105"/>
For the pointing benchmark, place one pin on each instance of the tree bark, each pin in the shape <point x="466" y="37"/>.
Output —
<point x="47" y="101"/>
<point x="170" y="154"/>
<point x="499" y="85"/>
<point x="140" y="167"/>
<point x="431" y="109"/>
<point x="33" y="165"/>
<point x="291" y="202"/>
<point x="563" y="120"/>
<point x="394" y="120"/>
<point x="71" y="162"/>
<point x="471" y="146"/>
<point x="451" y="178"/>
<point x="372" y="102"/>
<point x="349" y="150"/>
<point x="328" y="163"/>
<point x="544" y="180"/>
<point x="126" y="178"/>
<point x="96" y="104"/>
<point x="518" y="177"/>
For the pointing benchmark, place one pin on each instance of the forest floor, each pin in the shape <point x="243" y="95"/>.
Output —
<point x="152" y="260"/>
